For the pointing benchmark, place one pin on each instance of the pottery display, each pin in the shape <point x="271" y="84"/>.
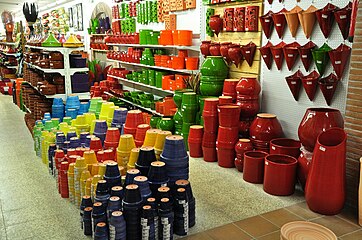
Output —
<point x="294" y="83"/>
<point x="267" y="23"/>
<point x="235" y="54"/>
<point x="325" y="18"/>
<point x="308" y="230"/>
<point x="214" y="49"/>
<point x="277" y="53"/>
<point x="224" y="51"/>
<point x="292" y="19"/>
<point x="328" y="86"/>
<point x="228" y="20"/>
<point x="321" y="57"/>
<point x="251" y="18"/>
<point x="310" y="83"/>
<point x="216" y="24"/>
<point x="214" y="66"/>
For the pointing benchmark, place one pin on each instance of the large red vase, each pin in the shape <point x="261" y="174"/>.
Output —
<point x="316" y="121"/>
<point x="325" y="187"/>
<point x="265" y="127"/>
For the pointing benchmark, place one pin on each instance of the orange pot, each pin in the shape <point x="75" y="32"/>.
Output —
<point x="184" y="38"/>
<point x="166" y="81"/>
<point x="182" y="53"/>
<point x="166" y="37"/>
<point x="175" y="37"/>
<point x="192" y="63"/>
<point x="164" y="60"/>
<point x="178" y="62"/>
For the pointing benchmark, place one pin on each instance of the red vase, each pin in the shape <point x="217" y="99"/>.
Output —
<point x="216" y="24"/>
<point x="266" y="127"/>
<point x="226" y="140"/>
<point x="215" y="49"/>
<point x="239" y="19"/>
<point x="228" y="115"/>
<point x="253" y="170"/>
<point x="316" y="121"/>
<point x="242" y="146"/>
<point x="343" y="19"/>
<point x="339" y="59"/>
<point x="195" y="141"/>
<point x="267" y="23"/>
<point x="224" y="49"/>
<point x="310" y="83"/>
<point x="244" y="126"/>
<point x="204" y="48"/>
<point x="235" y="54"/>
<point x="248" y="88"/>
<point x="325" y="187"/>
<point x="266" y="54"/>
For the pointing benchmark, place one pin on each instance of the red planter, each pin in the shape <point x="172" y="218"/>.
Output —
<point x="224" y="49"/>
<point x="225" y="157"/>
<point x="195" y="141"/>
<point x="325" y="187"/>
<point x="235" y="54"/>
<point x="305" y="53"/>
<point x="248" y="52"/>
<point x="228" y="115"/>
<point x="266" y="54"/>
<point x="253" y="170"/>
<point x="325" y="18"/>
<point x="316" y="121"/>
<point x="227" y="137"/>
<point x="230" y="88"/>
<point x="277" y="53"/>
<point x="267" y="24"/>
<point x="204" y="48"/>
<point x="249" y="108"/>
<point x="280" y="174"/>
<point x="225" y="100"/>
<point x="339" y="59"/>
<point x="209" y="154"/>
<point x="214" y="49"/>
<point x="343" y="19"/>
<point x="291" y="54"/>
<point x="285" y="146"/>
<point x="310" y="83"/>
<point x="248" y="88"/>
<point x="211" y="123"/>
<point x="328" y="86"/>
<point x="195" y="150"/>
<point x="304" y="160"/>
<point x="265" y="127"/>
<point x="279" y="22"/>
<point x="215" y="24"/>
<point x="242" y="146"/>
<point x="294" y="83"/>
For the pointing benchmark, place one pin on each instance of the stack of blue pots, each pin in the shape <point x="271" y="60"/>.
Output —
<point x="47" y="117"/>
<point x="72" y="106"/>
<point x="58" y="108"/>
<point x="100" y="129"/>
<point x="83" y="108"/>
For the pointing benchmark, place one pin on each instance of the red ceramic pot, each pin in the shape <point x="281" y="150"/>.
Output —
<point x="95" y="144"/>
<point x="316" y="121"/>
<point x="228" y="115"/>
<point x="244" y="126"/>
<point x="209" y="154"/>
<point x="229" y="88"/>
<point x="239" y="19"/>
<point x="133" y="119"/>
<point x="195" y="149"/>
<point x="328" y="168"/>
<point x="304" y="160"/>
<point x="248" y="87"/>
<point x="210" y="106"/>
<point x="225" y="100"/>
<point x="215" y="24"/>
<point x="285" y="146"/>
<point x="209" y="139"/>
<point x="277" y="53"/>
<point x="339" y="59"/>
<point x="280" y="174"/>
<point x="310" y="83"/>
<point x="215" y="49"/>
<point x="291" y="54"/>
<point x="267" y="24"/>
<point x="249" y="108"/>
<point x="294" y="83"/>
<point x="279" y="22"/>
<point x="227" y="137"/>
<point x="196" y="133"/>
<point x="235" y="54"/>
<point x="224" y="49"/>
<point x="266" y="54"/>
<point x="242" y="146"/>
<point x="248" y="52"/>
<point x="225" y="157"/>
<point x="328" y="86"/>
<point x="325" y="18"/>
<point x="228" y="19"/>
<point x="204" y="48"/>
<point x="211" y="123"/>
<point x="343" y="19"/>
<point x="253" y="170"/>
<point x="305" y="53"/>
<point x="112" y="135"/>
<point x="266" y="127"/>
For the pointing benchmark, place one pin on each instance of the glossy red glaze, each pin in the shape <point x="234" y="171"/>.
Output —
<point x="216" y="24"/>
<point x="266" y="54"/>
<point x="253" y="170"/>
<point x="228" y="115"/>
<point x="210" y="154"/>
<point x="249" y="108"/>
<point x="303" y="168"/>
<point x="227" y="137"/>
<point x="209" y="139"/>
<point x="285" y="146"/>
<point x="325" y="17"/>
<point x="279" y="22"/>
<point x="195" y="149"/>
<point x="310" y="83"/>
<point x="265" y="127"/>
<point x="291" y="54"/>
<point x="214" y="49"/>
<point x="210" y="106"/>
<point x="224" y="51"/>
<point x="316" y="121"/>
<point x="325" y="187"/>
<point x="248" y="87"/>
<point x="267" y="24"/>
<point x="244" y="126"/>
<point x="305" y="53"/>
<point x="242" y="146"/>
<point x="211" y="123"/>
<point x="196" y="133"/>
<point x="225" y="157"/>
<point x="229" y="88"/>
<point x="204" y="48"/>
<point x="235" y="55"/>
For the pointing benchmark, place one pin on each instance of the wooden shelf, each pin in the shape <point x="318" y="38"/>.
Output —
<point x="191" y="48"/>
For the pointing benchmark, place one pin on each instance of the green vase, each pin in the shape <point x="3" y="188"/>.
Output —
<point x="166" y="124"/>
<point x="214" y="66"/>
<point x="154" y="121"/>
<point x="211" y="88"/>
<point x="321" y="57"/>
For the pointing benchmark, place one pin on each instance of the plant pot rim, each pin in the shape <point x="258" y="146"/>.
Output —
<point x="261" y="154"/>
<point x="289" y="161"/>
<point x="326" y="132"/>
<point x="275" y="143"/>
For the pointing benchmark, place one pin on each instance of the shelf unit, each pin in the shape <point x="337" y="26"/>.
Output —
<point x="26" y="108"/>
<point x="142" y="86"/>
<point x="8" y="43"/>
<point x="9" y="54"/>
<point x="99" y="50"/>
<point x="56" y="49"/>
<point x="100" y="35"/>
<point x="191" y="48"/>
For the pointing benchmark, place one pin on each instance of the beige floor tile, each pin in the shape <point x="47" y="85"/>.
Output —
<point x="228" y="232"/>
<point x="256" y="226"/>
<point x="304" y="213"/>
<point x="353" y="236"/>
<point x="281" y="217"/>
<point x="271" y="236"/>
<point x="337" y="225"/>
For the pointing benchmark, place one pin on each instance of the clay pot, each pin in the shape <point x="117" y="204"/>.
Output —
<point x="249" y="88"/>
<point x="339" y="58"/>
<point x="224" y="48"/>
<point x="307" y="20"/>
<point x="305" y="53"/>
<point x="229" y="88"/>
<point x="328" y="168"/>
<point x="266" y="54"/>
<point x="267" y="23"/>
<point x="215" y="24"/>
<point x="291" y="17"/>
<point x="277" y="53"/>
<point x="316" y="121"/>
<point x="215" y="49"/>
<point x="248" y="52"/>
<point x="242" y="146"/>
<point x="235" y="54"/>
<point x="253" y="170"/>
<point x="204" y="48"/>
<point x="279" y="22"/>
<point x="328" y="86"/>
<point x="291" y="54"/>
<point x="294" y="83"/>
<point x="227" y="115"/>
<point x="226" y="140"/>
<point x="325" y="18"/>
<point x="265" y="127"/>
<point x="285" y="146"/>
<point x="310" y="83"/>
<point x="343" y="19"/>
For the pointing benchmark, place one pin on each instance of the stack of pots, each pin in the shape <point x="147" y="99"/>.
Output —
<point x="112" y="175"/>
<point x="145" y="158"/>
<point x="189" y="108"/>
<point x="119" y="118"/>
<point x="211" y="123"/>
<point x="230" y="88"/>
<point x="248" y="90"/>
<point x="100" y="129"/>
<point x="160" y="142"/>
<point x="112" y="138"/>
<point x="126" y="144"/>
<point x="58" y="108"/>
<point x="141" y="134"/>
<point x="213" y="73"/>
<point x="133" y="119"/>
<point x="227" y="134"/>
<point x="242" y="146"/>
<point x="195" y="141"/>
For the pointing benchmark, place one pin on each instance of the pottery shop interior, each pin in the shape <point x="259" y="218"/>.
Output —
<point x="180" y="119"/>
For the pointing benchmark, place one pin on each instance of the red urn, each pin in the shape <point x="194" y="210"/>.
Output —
<point x="215" y="49"/>
<point x="204" y="48"/>
<point x="216" y="24"/>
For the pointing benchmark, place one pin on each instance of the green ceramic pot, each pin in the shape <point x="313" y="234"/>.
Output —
<point x="189" y="98"/>
<point x="211" y="89"/>
<point x="177" y="118"/>
<point x="214" y="66"/>
<point x="154" y="121"/>
<point x="154" y="37"/>
<point x="159" y="78"/>
<point x="211" y="79"/>
<point x="129" y="76"/>
<point x="321" y="57"/>
<point x="189" y="113"/>
<point x="166" y="124"/>
<point x="150" y="96"/>
<point x="177" y="97"/>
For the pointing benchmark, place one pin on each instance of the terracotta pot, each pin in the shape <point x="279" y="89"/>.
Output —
<point x="204" y="48"/>
<point x="266" y="54"/>
<point x="339" y="58"/>
<point x="248" y="52"/>
<point x="279" y="22"/>
<point x="277" y="53"/>
<point x="280" y="174"/>
<point x="267" y="23"/>
<point x="215" y="49"/>
<point x="328" y="168"/>
<point x="265" y="127"/>
<point x="224" y="48"/>
<point x="325" y="18"/>
<point x="310" y="83"/>
<point x="227" y="115"/>
<point x="239" y="19"/>
<point x="291" y="54"/>
<point x="242" y="146"/>
<point x="328" y="86"/>
<point x="343" y="19"/>
<point x="228" y="19"/>
<point x="215" y="24"/>
<point x="235" y="54"/>
<point x="253" y="170"/>
<point x="305" y="53"/>
<point x="291" y="17"/>
<point x="294" y="83"/>
<point x="307" y="20"/>
<point x="318" y="119"/>
<point x="285" y="146"/>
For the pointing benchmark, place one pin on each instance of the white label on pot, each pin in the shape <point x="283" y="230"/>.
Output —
<point x="277" y="56"/>
<point x="278" y="25"/>
<point x="309" y="83"/>
<point x="247" y="52"/>
<point x="324" y="16"/>
<point x="322" y="148"/>
<point x="329" y="87"/>
<point x="273" y="147"/>
<point x="319" y="62"/>
<point x="267" y="20"/>
<point x="338" y="62"/>
<point x="266" y="163"/>
<point x="290" y="55"/>
<point x="293" y="82"/>
<point x="343" y="16"/>
<point x="264" y="56"/>
<point x="304" y="56"/>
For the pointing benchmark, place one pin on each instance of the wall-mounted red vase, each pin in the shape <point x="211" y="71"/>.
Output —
<point x="325" y="18"/>
<point x="294" y="83"/>
<point x="339" y="58"/>
<point x="328" y="86"/>
<point x="214" y="49"/>
<point x="305" y="53"/>
<point x="291" y="54"/>
<point x="277" y="52"/>
<point x="215" y="24"/>
<point x="228" y="20"/>
<point x="267" y="25"/>
<point x="239" y="19"/>
<point x="224" y="49"/>
<point x="310" y="83"/>
<point x="235" y="54"/>
<point x="343" y="19"/>
<point x="266" y="54"/>
<point x="248" y="52"/>
<point x="279" y="22"/>
<point x="204" y="48"/>
<point x="326" y="182"/>
<point x="251" y="18"/>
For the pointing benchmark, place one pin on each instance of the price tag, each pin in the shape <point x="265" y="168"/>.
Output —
<point x="304" y="56"/>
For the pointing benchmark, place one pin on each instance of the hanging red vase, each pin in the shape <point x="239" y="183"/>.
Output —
<point x="328" y="86"/>
<point x="216" y="24"/>
<point x="325" y="187"/>
<point x="294" y="82"/>
<point x="310" y="83"/>
<point x="235" y="54"/>
<point x="325" y="18"/>
<point x="279" y="22"/>
<point x="266" y="22"/>
<point x="248" y="52"/>
<point x="224" y="49"/>
<point x="339" y="58"/>
<point x="239" y="19"/>
<point x="305" y="53"/>
<point x="277" y="52"/>
<point x="291" y="54"/>
<point x="343" y="19"/>
<point x="266" y="54"/>
<point x="251" y="18"/>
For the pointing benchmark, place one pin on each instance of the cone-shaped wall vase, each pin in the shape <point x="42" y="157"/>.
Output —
<point x="305" y="53"/>
<point x="310" y="83"/>
<point x="307" y="20"/>
<point x="267" y="25"/>
<point x="325" y="17"/>
<point x="216" y="24"/>
<point x="292" y="20"/>
<point x="328" y="86"/>
<point x="279" y="22"/>
<point x="291" y="54"/>
<point x="235" y="54"/>
<point x="343" y="19"/>
<point x="294" y="82"/>
<point x="248" y="52"/>
<point x="267" y="55"/>
<point x="277" y="52"/>
<point x="339" y="58"/>
<point x="321" y="57"/>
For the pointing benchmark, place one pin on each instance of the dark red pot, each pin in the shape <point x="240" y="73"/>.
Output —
<point x="280" y="174"/>
<point x="343" y="19"/>
<point x="285" y="146"/>
<point x="209" y="139"/>
<point x="227" y="137"/>
<point x="225" y="157"/>
<point x="326" y="182"/>
<point x="310" y="83"/>
<point x="294" y="83"/>
<point x="267" y="23"/>
<point x="211" y="123"/>
<point x="235" y="54"/>
<point x="328" y="86"/>
<point x="225" y="100"/>
<point x="224" y="49"/>
<point x="316" y="121"/>
<point x="239" y="19"/>
<point x="215" y="24"/>
<point x="279" y="22"/>
<point x="242" y="146"/>
<point x="266" y="127"/>
<point x="229" y="88"/>
<point x="277" y="53"/>
<point x="325" y="18"/>
<point x="248" y="87"/>
<point x="339" y="59"/>
<point x="266" y="54"/>
<point x="215" y="49"/>
<point x="248" y="52"/>
<point x="209" y="154"/>
<point x="244" y="126"/>
<point x="253" y="170"/>
<point x="195" y="149"/>
<point x="291" y="54"/>
<point x="304" y="160"/>
<point x="305" y="53"/>
<point x="204" y="48"/>
<point x="249" y="108"/>
<point x="228" y="115"/>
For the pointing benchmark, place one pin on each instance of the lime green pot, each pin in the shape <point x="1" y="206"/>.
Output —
<point x="177" y="97"/>
<point x="211" y="89"/>
<point x="214" y="66"/>
<point x="177" y="118"/>
<point x="154" y="121"/>
<point x="211" y="79"/>
<point x="166" y="124"/>
<point x="189" y="98"/>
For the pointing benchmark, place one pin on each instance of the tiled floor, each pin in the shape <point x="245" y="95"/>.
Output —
<point x="31" y="208"/>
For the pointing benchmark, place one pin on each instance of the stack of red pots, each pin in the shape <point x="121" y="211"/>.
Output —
<point x="112" y="138"/>
<point x="230" y="88"/>
<point x="211" y="124"/>
<point x="63" y="180"/>
<point x="228" y="134"/>
<point x="195" y="141"/>
<point x="141" y="134"/>
<point x="95" y="144"/>
<point x="248" y="90"/>
<point x="133" y="119"/>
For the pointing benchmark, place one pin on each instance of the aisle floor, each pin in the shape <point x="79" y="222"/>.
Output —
<point x="31" y="207"/>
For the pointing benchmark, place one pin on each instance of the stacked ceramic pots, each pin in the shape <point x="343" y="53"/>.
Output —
<point x="133" y="119"/>
<point x="119" y="118"/>
<point x="145" y="158"/>
<point x="227" y="134"/>
<point x="242" y="146"/>
<point x="189" y="108"/>
<point x="211" y="123"/>
<point x="195" y="141"/>
<point x="248" y="90"/>
<point x="112" y="138"/>
<point x="58" y="108"/>
<point x="126" y="144"/>
<point x="100" y="129"/>
<point x="213" y="73"/>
